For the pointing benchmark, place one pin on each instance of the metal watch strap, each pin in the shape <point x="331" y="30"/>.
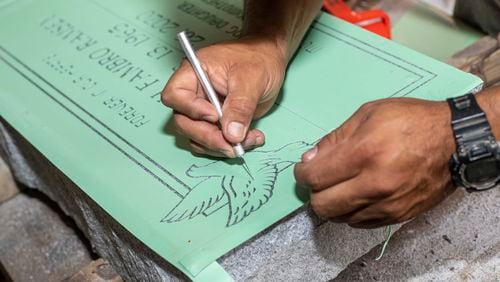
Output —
<point x="471" y="128"/>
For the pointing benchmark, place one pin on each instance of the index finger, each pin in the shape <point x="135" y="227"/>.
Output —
<point x="333" y="163"/>
<point x="342" y="199"/>
<point x="184" y="94"/>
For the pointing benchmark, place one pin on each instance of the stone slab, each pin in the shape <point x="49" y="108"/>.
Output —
<point x="282" y="252"/>
<point x="456" y="241"/>
<point x="35" y="244"/>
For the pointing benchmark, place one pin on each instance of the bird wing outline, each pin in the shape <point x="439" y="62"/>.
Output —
<point x="199" y="199"/>
<point x="246" y="196"/>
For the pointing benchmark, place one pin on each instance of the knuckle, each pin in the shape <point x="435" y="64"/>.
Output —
<point x="385" y="188"/>
<point x="319" y="207"/>
<point x="331" y="138"/>
<point x="369" y="109"/>
<point x="313" y="181"/>
<point x="339" y="133"/>
<point x="368" y="106"/>
<point x="174" y="84"/>
<point x="170" y="93"/>
<point x="166" y="96"/>
<point x="389" y="183"/>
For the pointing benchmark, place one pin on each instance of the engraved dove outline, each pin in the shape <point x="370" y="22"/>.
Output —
<point x="226" y="183"/>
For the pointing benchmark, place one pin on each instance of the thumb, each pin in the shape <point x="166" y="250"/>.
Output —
<point x="239" y="107"/>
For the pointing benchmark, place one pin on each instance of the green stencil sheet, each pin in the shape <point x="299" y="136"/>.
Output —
<point x="81" y="81"/>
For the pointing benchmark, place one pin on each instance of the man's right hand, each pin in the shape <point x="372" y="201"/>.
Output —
<point x="247" y="74"/>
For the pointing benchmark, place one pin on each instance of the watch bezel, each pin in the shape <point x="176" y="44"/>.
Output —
<point x="458" y="172"/>
<point x="483" y="186"/>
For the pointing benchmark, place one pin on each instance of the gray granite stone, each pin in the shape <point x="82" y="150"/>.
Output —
<point x="35" y="244"/>
<point x="278" y="253"/>
<point x="458" y="240"/>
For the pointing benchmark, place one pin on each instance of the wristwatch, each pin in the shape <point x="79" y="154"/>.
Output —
<point x="476" y="163"/>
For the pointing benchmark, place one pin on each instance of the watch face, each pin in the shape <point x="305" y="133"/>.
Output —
<point x="482" y="174"/>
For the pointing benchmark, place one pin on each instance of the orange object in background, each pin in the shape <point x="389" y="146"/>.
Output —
<point x="376" y="21"/>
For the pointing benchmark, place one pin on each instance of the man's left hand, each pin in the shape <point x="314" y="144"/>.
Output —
<point x="385" y="165"/>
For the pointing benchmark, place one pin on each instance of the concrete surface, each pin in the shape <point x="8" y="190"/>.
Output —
<point x="457" y="241"/>
<point x="35" y="244"/>
<point x="298" y="248"/>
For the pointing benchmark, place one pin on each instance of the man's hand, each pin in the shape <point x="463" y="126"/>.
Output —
<point x="247" y="73"/>
<point x="385" y="165"/>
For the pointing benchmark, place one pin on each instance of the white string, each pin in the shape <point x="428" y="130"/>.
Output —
<point x="388" y="230"/>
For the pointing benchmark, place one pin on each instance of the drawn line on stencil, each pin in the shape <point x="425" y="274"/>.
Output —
<point x="420" y="77"/>
<point x="91" y="127"/>
<point x="433" y="75"/>
<point x="420" y="85"/>
<point x="374" y="47"/>
<point x="404" y="88"/>
<point x="232" y="188"/>
<point x="369" y="52"/>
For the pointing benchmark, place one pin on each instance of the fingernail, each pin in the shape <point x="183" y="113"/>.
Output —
<point x="249" y="143"/>
<point x="259" y="140"/>
<point x="309" y="155"/>
<point x="210" y="118"/>
<point x="236" y="129"/>
<point x="230" y="154"/>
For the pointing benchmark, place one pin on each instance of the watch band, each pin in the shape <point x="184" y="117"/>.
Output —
<point x="471" y="128"/>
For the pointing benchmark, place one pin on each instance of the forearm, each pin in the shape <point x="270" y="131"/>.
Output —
<point x="286" y="21"/>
